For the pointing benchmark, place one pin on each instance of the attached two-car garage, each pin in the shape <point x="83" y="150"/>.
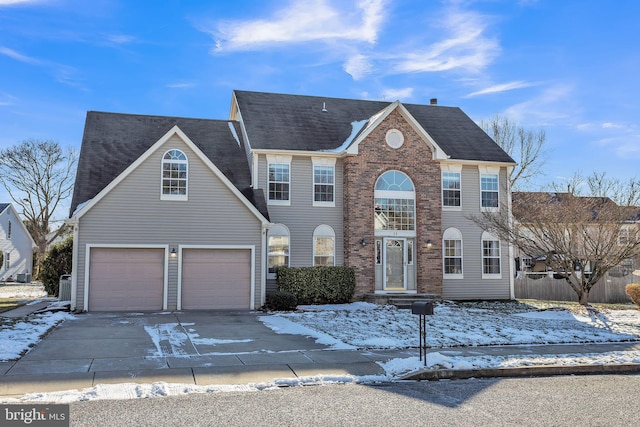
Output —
<point x="216" y="278"/>
<point x="125" y="279"/>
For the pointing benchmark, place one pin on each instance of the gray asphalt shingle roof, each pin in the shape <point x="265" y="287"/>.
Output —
<point x="113" y="141"/>
<point x="3" y="206"/>
<point x="297" y="122"/>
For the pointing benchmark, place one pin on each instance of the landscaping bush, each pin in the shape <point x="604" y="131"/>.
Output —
<point x="281" y="301"/>
<point x="57" y="262"/>
<point x="633" y="290"/>
<point x="318" y="285"/>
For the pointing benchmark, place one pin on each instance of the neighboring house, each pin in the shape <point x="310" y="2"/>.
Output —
<point x="16" y="246"/>
<point x="179" y="213"/>
<point x="624" y="221"/>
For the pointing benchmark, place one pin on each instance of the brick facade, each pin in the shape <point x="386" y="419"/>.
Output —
<point x="375" y="157"/>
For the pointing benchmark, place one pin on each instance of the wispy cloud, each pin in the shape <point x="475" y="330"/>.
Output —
<point x="358" y="66"/>
<point x="19" y="57"/>
<point x="181" y="85"/>
<point x="503" y="87"/>
<point x="302" y="21"/>
<point x="552" y="104"/>
<point x="120" y="39"/>
<point x="7" y="100"/>
<point x="393" y="94"/>
<point x="62" y="73"/>
<point x="465" y="46"/>
<point x="15" y="2"/>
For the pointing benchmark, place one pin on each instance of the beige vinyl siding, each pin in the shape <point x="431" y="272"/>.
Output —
<point x="301" y="217"/>
<point x="133" y="214"/>
<point x="473" y="286"/>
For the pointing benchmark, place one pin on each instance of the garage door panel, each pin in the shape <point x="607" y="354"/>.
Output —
<point x="126" y="279"/>
<point x="216" y="279"/>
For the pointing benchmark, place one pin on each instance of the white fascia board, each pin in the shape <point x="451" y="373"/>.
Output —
<point x="477" y="163"/>
<point x="302" y="153"/>
<point x="438" y="153"/>
<point x="133" y="166"/>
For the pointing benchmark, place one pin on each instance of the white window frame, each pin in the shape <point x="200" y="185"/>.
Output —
<point x="489" y="171"/>
<point x="396" y="195"/>
<point x="324" y="162"/>
<point x="278" y="230"/>
<point x="278" y="160"/>
<point x="450" y="169"/>
<point x="323" y="232"/>
<point x="624" y="235"/>
<point x="452" y="234"/>
<point x="488" y="237"/>
<point x="7" y="260"/>
<point x="164" y="161"/>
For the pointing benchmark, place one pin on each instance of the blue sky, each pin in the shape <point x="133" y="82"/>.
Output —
<point x="568" y="66"/>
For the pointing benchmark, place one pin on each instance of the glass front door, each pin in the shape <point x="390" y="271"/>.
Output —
<point x="395" y="264"/>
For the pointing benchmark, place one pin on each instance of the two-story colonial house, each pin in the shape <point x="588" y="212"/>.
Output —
<point x="179" y="213"/>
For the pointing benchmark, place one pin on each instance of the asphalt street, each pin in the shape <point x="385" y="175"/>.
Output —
<point x="552" y="401"/>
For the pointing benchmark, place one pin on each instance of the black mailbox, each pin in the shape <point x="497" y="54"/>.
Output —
<point x="422" y="308"/>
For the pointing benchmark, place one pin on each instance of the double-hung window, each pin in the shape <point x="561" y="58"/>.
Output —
<point x="278" y="248"/>
<point x="490" y="257"/>
<point x="489" y="197"/>
<point x="452" y="253"/>
<point x="324" y="172"/>
<point x="451" y="197"/>
<point x="279" y="180"/>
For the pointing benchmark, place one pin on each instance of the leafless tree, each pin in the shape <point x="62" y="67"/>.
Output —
<point x="599" y="184"/>
<point x="523" y="145"/>
<point x="582" y="238"/>
<point x="38" y="175"/>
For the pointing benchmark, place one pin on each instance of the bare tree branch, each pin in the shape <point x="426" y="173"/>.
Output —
<point x="38" y="175"/>
<point x="524" y="146"/>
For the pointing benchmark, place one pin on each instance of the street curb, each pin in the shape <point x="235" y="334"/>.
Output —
<point x="524" y="371"/>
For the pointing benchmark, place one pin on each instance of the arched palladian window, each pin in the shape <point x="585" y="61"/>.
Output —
<point x="174" y="175"/>
<point x="452" y="253"/>
<point x="394" y="202"/>
<point x="324" y="246"/>
<point x="278" y="247"/>
<point x="490" y="256"/>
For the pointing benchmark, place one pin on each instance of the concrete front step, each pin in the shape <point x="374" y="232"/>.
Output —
<point x="399" y="300"/>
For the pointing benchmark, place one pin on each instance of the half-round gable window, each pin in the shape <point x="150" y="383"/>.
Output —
<point x="395" y="199"/>
<point x="174" y="175"/>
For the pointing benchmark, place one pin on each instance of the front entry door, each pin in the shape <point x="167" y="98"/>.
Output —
<point x="395" y="264"/>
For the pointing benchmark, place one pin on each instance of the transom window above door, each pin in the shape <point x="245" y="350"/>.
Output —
<point x="174" y="175"/>
<point x="394" y="207"/>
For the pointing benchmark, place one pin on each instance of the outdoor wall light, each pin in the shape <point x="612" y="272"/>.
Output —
<point x="363" y="242"/>
<point x="429" y="244"/>
<point x="173" y="254"/>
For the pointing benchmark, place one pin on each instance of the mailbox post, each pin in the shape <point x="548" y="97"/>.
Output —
<point x="423" y="309"/>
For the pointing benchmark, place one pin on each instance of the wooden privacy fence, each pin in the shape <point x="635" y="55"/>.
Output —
<point x="542" y="286"/>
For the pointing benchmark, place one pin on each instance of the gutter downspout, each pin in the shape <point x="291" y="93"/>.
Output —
<point x="512" y="267"/>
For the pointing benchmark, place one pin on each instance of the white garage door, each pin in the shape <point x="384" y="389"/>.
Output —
<point x="126" y="279"/>
<point x="216" y="279"/>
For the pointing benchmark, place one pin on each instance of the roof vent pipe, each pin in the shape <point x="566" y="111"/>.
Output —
<point x="433" y="101"/>
<point x="324" y="107"/>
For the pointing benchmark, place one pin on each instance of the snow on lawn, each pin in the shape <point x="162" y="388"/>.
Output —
<point x="369" y="326"/>
<point x="17" y="335"/>
<point x="24" y="291"/>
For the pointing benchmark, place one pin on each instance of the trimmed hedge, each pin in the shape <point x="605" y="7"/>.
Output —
<point x="318" y="285"/>
<point x="633" y="290"/>
<point x="281" y="301"/>
<point x="56" y="263"/>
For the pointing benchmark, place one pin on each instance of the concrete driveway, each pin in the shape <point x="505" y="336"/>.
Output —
<point x="201" y="347"/>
